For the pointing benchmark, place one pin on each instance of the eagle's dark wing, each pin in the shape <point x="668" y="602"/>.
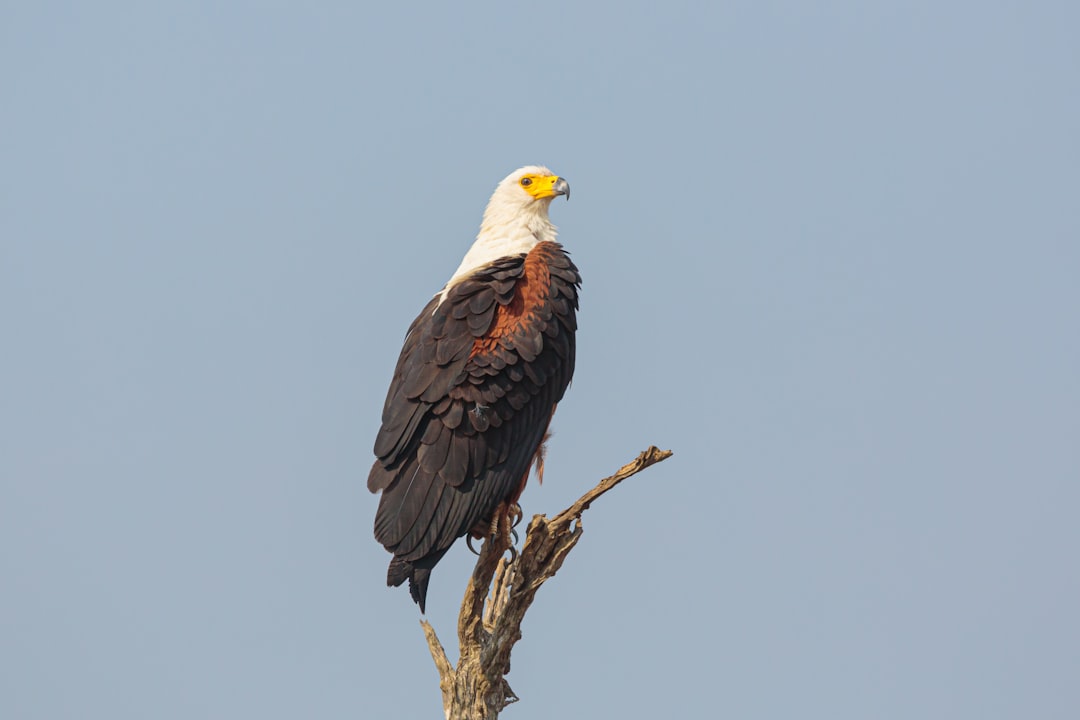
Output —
<point x="471" y="399"/>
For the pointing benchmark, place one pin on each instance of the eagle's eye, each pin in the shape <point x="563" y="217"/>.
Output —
<point x="526" y="182"/>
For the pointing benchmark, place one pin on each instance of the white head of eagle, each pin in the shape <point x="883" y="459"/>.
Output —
<point x="516" y="218"/>
<point x="476" y="384"/>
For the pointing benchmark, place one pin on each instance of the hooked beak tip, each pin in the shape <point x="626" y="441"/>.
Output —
<point x="561" y="187"/>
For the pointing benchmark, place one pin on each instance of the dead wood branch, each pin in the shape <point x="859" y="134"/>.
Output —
<point x="499" y="593"/>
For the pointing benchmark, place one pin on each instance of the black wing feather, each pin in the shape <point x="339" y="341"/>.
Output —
<point x="460" y="428"/>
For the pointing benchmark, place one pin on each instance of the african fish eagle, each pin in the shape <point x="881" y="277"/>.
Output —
<point x="476" y="384"/>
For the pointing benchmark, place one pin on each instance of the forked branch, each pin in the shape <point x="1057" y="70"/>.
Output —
<point x="499" y="593"/>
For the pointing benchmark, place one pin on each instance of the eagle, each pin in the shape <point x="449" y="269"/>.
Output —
<point x="482" y="369"/>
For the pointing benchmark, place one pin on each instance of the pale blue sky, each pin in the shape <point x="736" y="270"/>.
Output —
<point x="830" y="256"/>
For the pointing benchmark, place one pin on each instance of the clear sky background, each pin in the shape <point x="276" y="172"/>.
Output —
<point x="830" y="254"/>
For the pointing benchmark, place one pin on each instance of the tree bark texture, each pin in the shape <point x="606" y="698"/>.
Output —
<point x="499" y="593"/>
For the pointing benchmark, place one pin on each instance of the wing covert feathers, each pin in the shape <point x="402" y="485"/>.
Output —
<point x="470" y="402"/>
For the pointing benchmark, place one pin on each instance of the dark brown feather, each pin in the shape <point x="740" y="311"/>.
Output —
<point x="470" y="401"/>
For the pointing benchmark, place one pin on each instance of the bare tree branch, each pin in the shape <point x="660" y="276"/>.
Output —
<point x="498" y="595"/>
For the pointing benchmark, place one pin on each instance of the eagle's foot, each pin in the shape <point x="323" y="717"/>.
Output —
<point x="513" y="516"/>
<point x="503" y="521"/>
